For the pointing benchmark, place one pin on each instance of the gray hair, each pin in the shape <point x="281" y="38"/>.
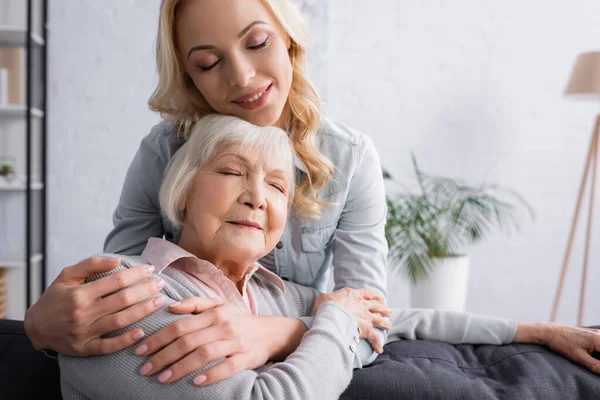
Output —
<point x="208" y="137"/>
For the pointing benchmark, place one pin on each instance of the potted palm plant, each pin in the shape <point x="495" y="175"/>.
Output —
<point x="429" y="231"/>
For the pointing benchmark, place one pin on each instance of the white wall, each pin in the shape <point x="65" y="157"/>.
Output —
<point x="101" y="73"/>
<point x="474" y="88"/>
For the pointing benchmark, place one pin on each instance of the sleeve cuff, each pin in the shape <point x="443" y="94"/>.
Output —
<point x="308" y="321"/>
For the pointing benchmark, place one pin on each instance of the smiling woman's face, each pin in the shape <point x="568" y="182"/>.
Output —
<point x="236" y="54"/>
<point x="237" y="208"/>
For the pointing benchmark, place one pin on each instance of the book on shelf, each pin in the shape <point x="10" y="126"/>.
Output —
<point x="12" y="59"/>
<point x="3" y="86"/>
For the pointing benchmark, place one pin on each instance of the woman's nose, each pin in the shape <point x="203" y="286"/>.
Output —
<point x="241" y="71"/>
<point x="254" y="196"/>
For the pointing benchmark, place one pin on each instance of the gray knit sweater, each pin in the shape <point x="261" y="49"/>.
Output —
<point x="320" y="368"/>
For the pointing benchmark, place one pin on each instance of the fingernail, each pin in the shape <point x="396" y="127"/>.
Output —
<point x="158" y="301"/>
<point x="146" y="368"/>
<point x="160" y="284"/>
<point x="141" y="350"/>
<point x="175" y="303"/>
<point x="164" y="376"/>
<point x="112" y="259"/>
<point x="138" y="335"/>
<point x="150" y="269"/>
<point x="199" y="380"/>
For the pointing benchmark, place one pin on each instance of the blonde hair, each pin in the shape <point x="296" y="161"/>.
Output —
<point x="208" y="137"/>
<point x="177" y="99"/>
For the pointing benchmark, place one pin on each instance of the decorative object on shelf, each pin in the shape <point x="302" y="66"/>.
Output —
<point x="7" y="169"/>
<point x="3" y="86"/>
<point x="427" y="233"/>
<point x="584" y="83"/>
<point x="13" y="60"/>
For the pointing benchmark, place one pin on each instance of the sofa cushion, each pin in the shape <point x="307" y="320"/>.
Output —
<point x="420" y="369"/>
<point x="25" y="373"/>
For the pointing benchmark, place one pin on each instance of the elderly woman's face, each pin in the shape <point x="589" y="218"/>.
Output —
<point x="237" y="208"/>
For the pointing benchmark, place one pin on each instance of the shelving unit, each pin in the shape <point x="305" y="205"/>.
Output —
<point x="23" y="32"/>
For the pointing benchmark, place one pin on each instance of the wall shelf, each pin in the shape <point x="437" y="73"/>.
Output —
<point x="18" y="186"/>
<point x="11" y="36"/>
<point x="17" y="262"/>
<point x="18" y="111"/>
<point x="23" y="141"/>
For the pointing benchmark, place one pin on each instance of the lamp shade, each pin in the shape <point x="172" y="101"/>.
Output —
<point x="585" y="78"/>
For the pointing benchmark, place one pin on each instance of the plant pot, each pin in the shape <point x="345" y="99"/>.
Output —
<point x="447" y="285"/>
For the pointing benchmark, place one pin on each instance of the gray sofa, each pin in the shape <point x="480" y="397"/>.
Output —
<point x="406" y="370"/>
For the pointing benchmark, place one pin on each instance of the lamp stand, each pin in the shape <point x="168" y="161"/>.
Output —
<point x="591" y="164"/>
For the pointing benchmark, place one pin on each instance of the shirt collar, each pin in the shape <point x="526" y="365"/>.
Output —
<point x="162" y="253"/>
<point x="299" y="164"/>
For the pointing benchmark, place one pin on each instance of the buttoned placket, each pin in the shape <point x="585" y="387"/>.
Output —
<point x="280" y="257"/>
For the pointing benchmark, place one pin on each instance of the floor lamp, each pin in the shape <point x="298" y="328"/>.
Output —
<point x="584" y="83"/>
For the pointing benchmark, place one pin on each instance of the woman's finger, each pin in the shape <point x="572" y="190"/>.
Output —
<point x="174" y="331"/>
<point x="378" y="307"/>
<point x="379" y="321"/>
<point x="200" y="357"/>
<point x="118" y="280"/>
<point x="124" y="318"/>
<point x="126" y="298"/>
<point x="180" y="348"/>
<point x="194" y="305"/>
<point x="226" y="369"/>
<point x="591" y="363"/>
<point x="371" y="295"/>
<point x="373" y="337"/>
<point x="112" y="345"/>
<point x="79" y="272"/>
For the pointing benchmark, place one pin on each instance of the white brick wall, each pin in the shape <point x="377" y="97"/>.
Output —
<point x="474" y="88"/>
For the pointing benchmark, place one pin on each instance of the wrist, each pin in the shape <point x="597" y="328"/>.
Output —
<point x="531" y="333"/>
<point x="30" y="329"/>
<point x="285" y="334"/>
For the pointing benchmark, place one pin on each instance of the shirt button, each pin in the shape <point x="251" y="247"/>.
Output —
<point x="356" y="339"/>
<point x="352" y="347"/>
<point x="279" y="245"/>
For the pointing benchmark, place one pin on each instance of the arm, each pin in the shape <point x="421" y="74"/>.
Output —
<point x="137" y="216"/>
<point x="360" y="247"/>
<point x="304" y="299"/>
<point x="450" y="327"/>
<point x="322" y="364"/>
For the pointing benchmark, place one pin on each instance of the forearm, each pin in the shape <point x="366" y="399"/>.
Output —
<point x="286" y="334"/>
<point x="320" y="367"/>
<point x="531" y="333"/>
<point x="450" y="327"/>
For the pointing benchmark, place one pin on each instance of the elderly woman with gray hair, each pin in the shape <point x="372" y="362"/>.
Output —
<point x="229" y="189"/>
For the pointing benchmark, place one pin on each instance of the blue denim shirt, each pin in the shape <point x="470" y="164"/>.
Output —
<point x="348" y="239"/>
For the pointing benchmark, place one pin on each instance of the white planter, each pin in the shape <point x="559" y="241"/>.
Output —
<point x="446" y="287"/>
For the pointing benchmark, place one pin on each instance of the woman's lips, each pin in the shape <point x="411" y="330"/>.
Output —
<point x="249" y="225"/>
<point x="254" y="100"/>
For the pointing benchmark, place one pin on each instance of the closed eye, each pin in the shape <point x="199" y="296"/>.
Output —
<point x="231" y="173"/>
<point x="206" y="69"/>
<point x="278" y="187"/>
<point x="260" y="46"/>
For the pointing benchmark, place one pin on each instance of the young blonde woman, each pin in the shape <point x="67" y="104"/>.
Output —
<point x="244" y="58"/>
